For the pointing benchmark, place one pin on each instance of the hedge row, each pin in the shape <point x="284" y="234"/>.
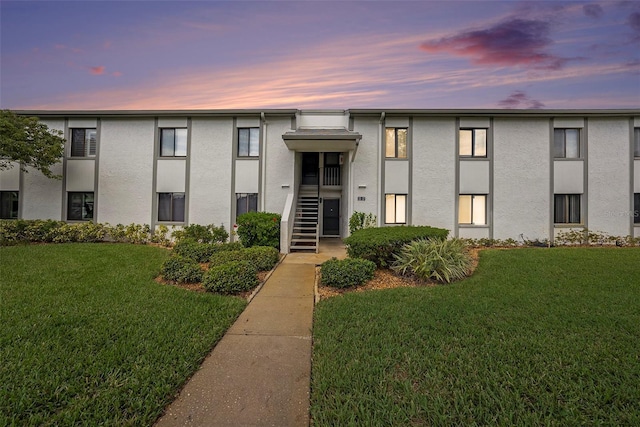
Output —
<point x="379" y="244"/>
<point x="345" y="273"/>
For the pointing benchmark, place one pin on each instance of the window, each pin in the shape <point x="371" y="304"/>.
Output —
<point x="246" y="202"/>
<point x="8" y="204"/>
<point x="396" y="143"/>
<point x="472" y="209"/>
<point x="636" y="142"/>
<point x="473" y="142"/>
<point x="396" y="209"/>
<point x="171" y="207"/>
<point x="248" y="142"/>
<point x="83" y="142"/>
<point x="566" y="143"/>
<point x="636" y="208"/>
<point x="566" y="209"/>
<point x="79" y="206"/>
<point x="173" y="142"/>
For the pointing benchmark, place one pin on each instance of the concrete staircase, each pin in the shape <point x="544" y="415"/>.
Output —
<point x="305" y="235"/>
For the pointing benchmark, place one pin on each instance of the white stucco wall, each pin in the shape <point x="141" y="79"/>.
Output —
<point x="210" y="177"/>
<point x="171" y="175"/>
<point x="474" y="177"/>
<point x="125" y="174"/>
<point x="10" y="178"/>
<point x="610" y="208"/>
<point x="279" y="166"/>
<point x="434" y="172"/>
<point x="568" y="176"/>
<point x="636" y="179"/>
<point x="80" y="174"/>
<point x="521" y="199"/>
<point x="396" y="176"/>
<point x="41" y="196"/>
<point x="247" y="175"/>
<point x="365" y="168"/>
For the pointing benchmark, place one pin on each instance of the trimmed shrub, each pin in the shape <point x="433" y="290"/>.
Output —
<point x="228" y="246"/>
<point x="360" y="220"/>
<point x="202" y="233"/>
<point x="181" y="269"/>
<point x="442" y="260"/>
<point x="259" y="229"/>
<point x="262" y="257"/>
<point x="189" y="248"/>
<point x="346" y="273"/>
<point x="231" y="278"/>
<point x="380" y="244"/>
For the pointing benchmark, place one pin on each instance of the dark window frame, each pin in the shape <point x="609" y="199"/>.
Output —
<point x="473" y="196"/>
<point x="9" y="204"/>
<point x="170" y="148"/>
<point x="85" y="210"/>
<point x="560" y="143"/>
<point x="396" y="146"/>
<point x="172" y="214"/>
<point x="80" y="145"/>
<point x="636" y="142"/>
<point x="395" y="208"/>
<point x="474" y="147"/>
<point x="250" y="150"/>
<point x="564" y="209"/>
<point x="246" y="202"/>
<point x="636" y="208"/>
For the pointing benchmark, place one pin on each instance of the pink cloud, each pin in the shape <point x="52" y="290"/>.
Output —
<point x="116" y="74"/>
<point x="99" y="70"/>
<point x="516" y="42"/>
<point x="520" y="99"/>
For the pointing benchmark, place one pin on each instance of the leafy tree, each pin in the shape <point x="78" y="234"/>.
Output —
<point x="27" y="141"/>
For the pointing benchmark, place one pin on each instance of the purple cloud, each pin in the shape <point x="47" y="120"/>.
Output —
<point x="517" y="42"/>
<point x="519" y="99"/>
<point x="594" y="11"/>
<point x="634" y="22"/>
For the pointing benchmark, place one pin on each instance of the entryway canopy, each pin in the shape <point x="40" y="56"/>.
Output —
<point x="322" y="140"/>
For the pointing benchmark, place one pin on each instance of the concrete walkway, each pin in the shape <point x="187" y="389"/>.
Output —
<point x="259" y="373"/>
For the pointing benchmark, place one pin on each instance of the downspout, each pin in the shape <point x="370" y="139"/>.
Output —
<point x="380" y="166"/>
<point x="264" y="161"/>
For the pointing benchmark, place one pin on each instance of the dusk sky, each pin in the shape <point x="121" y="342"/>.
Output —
<point x="319" y="54"/>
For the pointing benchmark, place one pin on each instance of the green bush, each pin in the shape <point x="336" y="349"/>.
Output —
<point x="228" y="246"/>
<point x="380" y="244"/>
<point x="442" y="260"/>
<point x="189" y="248"/>
<point x="181" y="269"/>
<point x="231" y="278"/>
<point x="346" y="273"/>
<point x="202" y="233"/>
<point x="259" y="229"/>
<point x="360" y="220"/>
<point x="262" y="257"/>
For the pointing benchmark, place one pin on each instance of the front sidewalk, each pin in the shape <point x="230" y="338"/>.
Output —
<point x="259" y="373"/>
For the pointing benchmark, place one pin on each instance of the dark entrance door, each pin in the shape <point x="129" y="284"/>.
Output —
<point x="310" y="168"/>
<point x="331" y="217"/>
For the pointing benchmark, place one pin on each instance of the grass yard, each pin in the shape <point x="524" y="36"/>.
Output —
<point x="535" y="337"/>
<point x="87" y="337"/>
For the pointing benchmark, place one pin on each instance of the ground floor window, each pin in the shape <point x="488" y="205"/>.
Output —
<point x="8" y="204"/>
<point x="246" y="202"/>
<point x="79" y="206"/>
<point x="472" y="209"/>
<point x="636" y="208"/>
<point x="171" y="207"/>
<point x="395" y="209"/>
<point x="566" y="209"/>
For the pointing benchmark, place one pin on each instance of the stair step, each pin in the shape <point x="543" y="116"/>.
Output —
<point x="303" y="240"/>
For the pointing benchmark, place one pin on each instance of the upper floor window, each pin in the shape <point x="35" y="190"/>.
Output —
<point x="83" y="142"/>
<point x="636" y="142"/>
<point x="396" y="143"/>
<point x="79" y="206"/>
<point x="472" y="209"/>
<point x="566" y="208"/>
<point x="473" y="142"/>
<point x="248" y="142"/>
<point x="395" y="209"/>
<point x="171" y="207"/>
<point x="566" y="143"/>
<point x="8" y="204"/>
<point x="173" y="142"/>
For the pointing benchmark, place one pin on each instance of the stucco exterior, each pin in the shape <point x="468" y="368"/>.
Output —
<point x="517" y="177"/>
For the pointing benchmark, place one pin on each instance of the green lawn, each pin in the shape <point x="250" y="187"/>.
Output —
<point x="535" y="337"/>
<point x="88" y="338"/>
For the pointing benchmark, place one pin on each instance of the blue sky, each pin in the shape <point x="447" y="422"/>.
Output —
<point x="319" y="54"/>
